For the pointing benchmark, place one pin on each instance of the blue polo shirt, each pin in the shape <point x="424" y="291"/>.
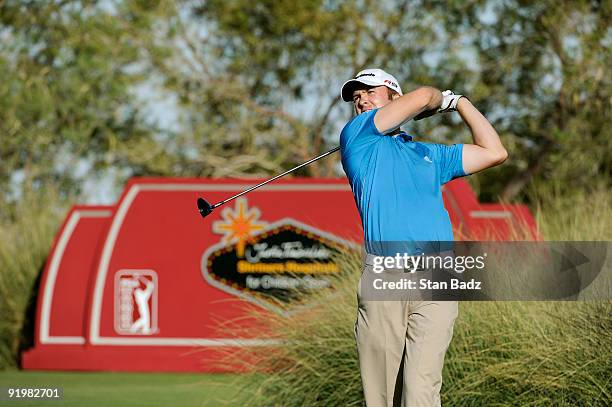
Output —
<point x="397" y="184"/>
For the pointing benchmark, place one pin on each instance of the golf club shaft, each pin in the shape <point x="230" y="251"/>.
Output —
<point x="276" y="177"/>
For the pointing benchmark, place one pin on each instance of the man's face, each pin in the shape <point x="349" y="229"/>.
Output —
<point x="367" y="98"/>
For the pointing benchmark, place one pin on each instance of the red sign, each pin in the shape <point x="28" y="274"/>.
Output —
<point x="139" y="286"/>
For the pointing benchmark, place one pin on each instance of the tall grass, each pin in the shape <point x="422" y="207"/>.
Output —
<point x="581" y="216"/>
<point x="502" y="353"/>
<point x="317" y="365"/>
<point x="26" y="233"/>
<point x="530" y="353"/>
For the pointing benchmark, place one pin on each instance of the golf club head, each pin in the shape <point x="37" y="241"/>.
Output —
<point x="204" y="207"/>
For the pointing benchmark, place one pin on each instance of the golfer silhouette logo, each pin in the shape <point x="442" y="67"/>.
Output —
<point x="136" y="302"/>
<point x="142" y="324"/>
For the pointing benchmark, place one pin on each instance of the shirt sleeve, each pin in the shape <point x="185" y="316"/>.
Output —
<point x="449" y="162"/>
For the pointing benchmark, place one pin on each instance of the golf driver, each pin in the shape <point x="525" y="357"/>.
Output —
<point x="205" y="208"/>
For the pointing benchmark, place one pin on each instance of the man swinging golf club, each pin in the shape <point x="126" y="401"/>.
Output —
<point x="397" y="187"/>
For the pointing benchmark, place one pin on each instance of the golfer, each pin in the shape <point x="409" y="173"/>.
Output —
<point x="397" y="185"/>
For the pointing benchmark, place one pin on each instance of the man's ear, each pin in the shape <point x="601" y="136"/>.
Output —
<point x="395" y="96"/>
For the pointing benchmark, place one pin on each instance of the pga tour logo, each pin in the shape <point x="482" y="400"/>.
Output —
<point x="136" y="302"/>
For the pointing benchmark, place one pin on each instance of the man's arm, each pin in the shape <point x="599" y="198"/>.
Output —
<point x="392" y="115"/>
<point x="487" y="150"/>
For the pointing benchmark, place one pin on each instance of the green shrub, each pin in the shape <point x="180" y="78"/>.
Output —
<point x="26" y="233"/>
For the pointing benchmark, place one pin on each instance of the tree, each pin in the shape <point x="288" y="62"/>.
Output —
<point x="542" y="73"/>
<point x="252" y="86"/>
<point x="65" y="102"/>
<point x="259" y="81"/>
<point x="263" y="77"/>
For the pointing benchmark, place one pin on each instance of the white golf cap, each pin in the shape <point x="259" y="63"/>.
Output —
<point x="371" y="77"/>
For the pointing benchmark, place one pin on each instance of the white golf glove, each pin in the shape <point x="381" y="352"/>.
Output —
<point x="449" y="104"/>
<point x="449" y="101"/>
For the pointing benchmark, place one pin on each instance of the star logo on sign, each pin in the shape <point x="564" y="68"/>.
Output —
<point x="238" y="224"/>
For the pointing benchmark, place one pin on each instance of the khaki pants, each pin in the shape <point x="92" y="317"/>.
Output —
<point x="401" y="347"/>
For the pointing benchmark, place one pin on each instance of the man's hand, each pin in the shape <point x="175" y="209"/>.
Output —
<point x="449" y="104"/>
<point x="449" y="101"/>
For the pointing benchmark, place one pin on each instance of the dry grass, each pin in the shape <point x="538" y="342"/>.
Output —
<point x="502" y="353"/>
